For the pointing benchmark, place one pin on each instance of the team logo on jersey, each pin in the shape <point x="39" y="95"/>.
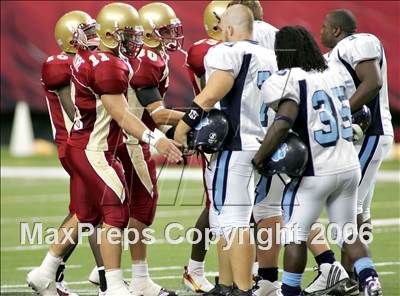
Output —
<point x="212" y="137"/>
<point x="193" y="114"/>
<point x="280" y="153"/>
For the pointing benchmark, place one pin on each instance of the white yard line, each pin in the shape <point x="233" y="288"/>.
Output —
<point x="173" y="277"/>
<point x="190" y="174"/>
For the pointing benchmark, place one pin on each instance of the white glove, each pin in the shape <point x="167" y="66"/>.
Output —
<point x="357" y="132"/>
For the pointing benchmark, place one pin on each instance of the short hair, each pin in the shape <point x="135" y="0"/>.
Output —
<point x="344" y="19"/>
<point x="253" y="5"/>
<point x="295" y="47"/>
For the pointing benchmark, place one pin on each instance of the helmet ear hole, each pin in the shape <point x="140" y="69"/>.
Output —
<point x="148" y="35"/>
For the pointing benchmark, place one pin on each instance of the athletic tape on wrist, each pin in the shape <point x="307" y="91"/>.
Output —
<point x="151" y="138"/>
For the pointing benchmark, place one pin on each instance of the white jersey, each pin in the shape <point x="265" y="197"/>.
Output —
<point x="264" y="34"/>
<point x="250" y="65"/>
<point x="324" y="119"/>
<point x="345" y="56"/>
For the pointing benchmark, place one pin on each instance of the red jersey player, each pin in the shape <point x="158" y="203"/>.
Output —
<point x="99" y="82"/>
<point x="193" y="277"/>
<point x="162" y="34"/>
<point x="56" y="75"/>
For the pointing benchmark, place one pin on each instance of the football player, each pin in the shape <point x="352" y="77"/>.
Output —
<point x="163" y="34"/>
<point x="99" y="82"/>
<point x="363" y="57"/>
<point x="230" y="68"/>
<point x="193" y="276"/>
<point x="267" y="210"/>
<point x="74" y="29"/>
<point x="311" y="100"/>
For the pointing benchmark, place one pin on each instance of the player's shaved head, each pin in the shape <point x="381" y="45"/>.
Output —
<point x="253" y="5"/>
<point x="338" y="24"/>
<point x="237" y="23"/>
<point x="344" y="19"/>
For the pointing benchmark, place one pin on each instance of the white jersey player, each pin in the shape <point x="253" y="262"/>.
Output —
<point x="372" y="149"/>
<point x="235" y="71"/>
<point x="312" y="101"/>
<point x="264" y="33"/>
<point x="251" y="65"/>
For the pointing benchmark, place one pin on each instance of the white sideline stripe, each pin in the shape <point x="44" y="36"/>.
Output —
<point x="213" y="273"/>
<point x="29" y="268"/>
<point x="44" y="219"/>
<point x="190" y="174"/>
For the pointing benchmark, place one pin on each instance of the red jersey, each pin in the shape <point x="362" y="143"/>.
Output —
<point x="195" y="61"/>
<point x="94" y="74"/>
<point x="151" y="70"/>
<point x="56" y="74"/>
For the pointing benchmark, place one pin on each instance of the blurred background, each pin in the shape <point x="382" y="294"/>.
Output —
<point x="27" y="38"/>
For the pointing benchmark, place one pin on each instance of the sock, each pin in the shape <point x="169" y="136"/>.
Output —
<point x="196" y="267"/>
<point x="114" y="279"/>
<point x="255" y="268"/>
<point x="102" y="278"/>
<point x="60" y="273"/>
<point x="50" y="264"/>
<point x="365" y="268"/>
<point x="325" y="257"/>
<point x="291" y="283"/>
<point x="270" y="273"/>
<point x="140" y="270"/>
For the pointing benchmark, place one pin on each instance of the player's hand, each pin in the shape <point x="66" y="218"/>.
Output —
<point x="169" y="149"/>
<point x="181" y="138"/>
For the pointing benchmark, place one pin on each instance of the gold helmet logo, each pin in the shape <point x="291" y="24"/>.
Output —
<point x="161" y="26"/>
<point x="75" y="28"/>
<point x="120" y="28"/>
<point x="212" y="16"/>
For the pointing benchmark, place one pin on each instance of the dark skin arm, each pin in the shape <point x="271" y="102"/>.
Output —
<point x="64" y="94"/>
<point x="371" y="82"/>
<point x="277" y="133"/>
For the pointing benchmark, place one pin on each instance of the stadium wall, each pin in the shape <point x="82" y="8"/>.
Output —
<point x="27" y="39"/>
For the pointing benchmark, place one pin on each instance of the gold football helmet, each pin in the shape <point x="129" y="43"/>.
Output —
<point x="212" y="16"/>
<point x="161" y="26"/>
<point x="120" y="28"/>
<point x="76" y="28"/>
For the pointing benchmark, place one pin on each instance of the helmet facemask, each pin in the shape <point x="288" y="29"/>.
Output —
<point x="170" y="36"/>
<point x="86" y="36"/>
<point x="130" y="40"/>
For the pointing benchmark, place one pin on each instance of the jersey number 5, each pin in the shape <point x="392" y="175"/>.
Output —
<point x="329" y="117"/>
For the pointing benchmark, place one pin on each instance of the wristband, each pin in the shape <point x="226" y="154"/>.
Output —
<point x="159" y="108"/>
<point x="284" y="118"/>
<point x="194" y="115"/>
<point x="170" y="132"/>
<point x="151" y="138"/>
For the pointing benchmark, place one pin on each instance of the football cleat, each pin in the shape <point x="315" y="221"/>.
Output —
<point x="238" y="292"/>
<point x="147" y="287"/>
<point x="42" y="283"/>
<point x="94" y="277"/>
<point x="196" y="283"/>
<point x="332" y="279"/>
<point x="372" y="287"/>
<point x="219" y="290"/>
<point x="63" y="289"/>
<point x="267" y="288"/>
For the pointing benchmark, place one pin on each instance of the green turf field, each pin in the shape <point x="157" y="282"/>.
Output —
<point x="30" y="200"/>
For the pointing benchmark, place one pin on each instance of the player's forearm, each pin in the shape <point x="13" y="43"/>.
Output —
<point x="66" y="102"/>
<point x="167" y="117"/>
<point x="118" y="108"/>
<point x="365" y="92"/>
<point x="276" y="134"/>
